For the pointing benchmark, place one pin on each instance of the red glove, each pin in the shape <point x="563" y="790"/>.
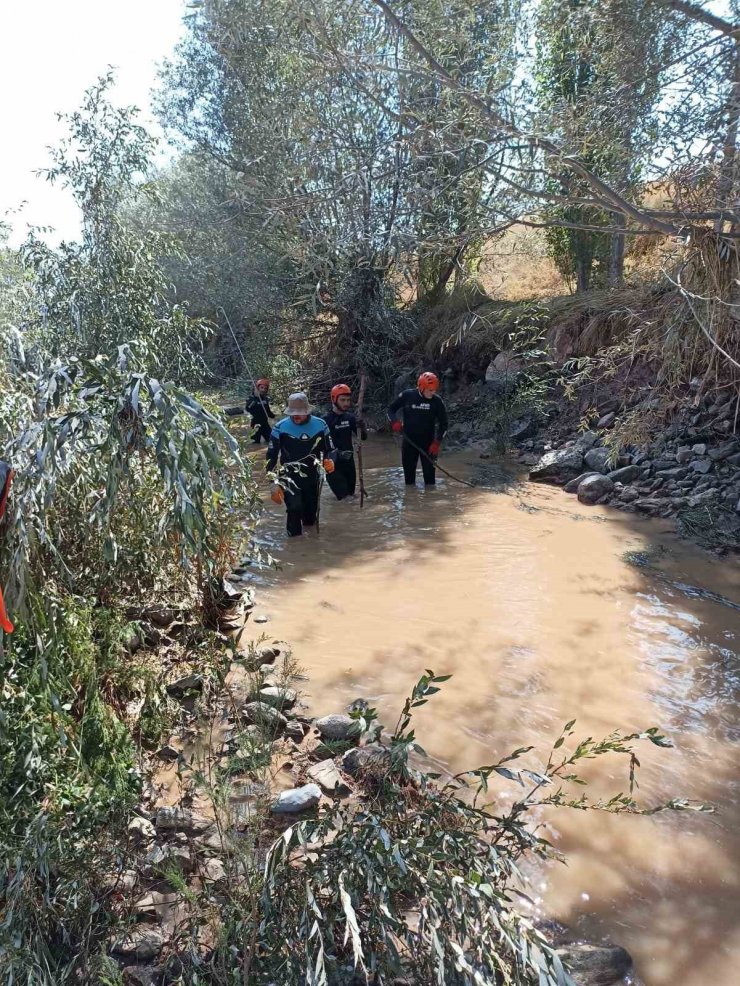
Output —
<point x="277" y="495"/>
<point x="434" y="449"/>
<point x="328" y="466"/>
<point x="396" y="426"/>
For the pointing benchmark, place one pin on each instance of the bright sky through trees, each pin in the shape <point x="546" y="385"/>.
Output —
<point x="50" y="52"/>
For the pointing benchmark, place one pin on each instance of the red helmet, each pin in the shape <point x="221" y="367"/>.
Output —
<point x="428" y="381"/>
<point x="263" y="382"/>
<point x="341" y="389"/>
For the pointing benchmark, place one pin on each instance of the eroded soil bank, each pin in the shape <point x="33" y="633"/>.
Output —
<point x="535" y="604"/>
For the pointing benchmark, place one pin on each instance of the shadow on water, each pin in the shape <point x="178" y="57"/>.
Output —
<point x="531" y="601"/>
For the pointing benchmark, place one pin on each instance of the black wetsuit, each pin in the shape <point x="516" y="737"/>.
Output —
<point x="342" y="426"/>
<point x="298" y="447"/>
<point x="259" y="408"/>
<point x="424" y="421"/>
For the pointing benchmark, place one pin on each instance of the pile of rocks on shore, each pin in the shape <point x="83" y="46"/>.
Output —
<point x="695" y="462"/>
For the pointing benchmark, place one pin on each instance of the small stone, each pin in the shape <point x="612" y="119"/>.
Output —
<point x="624" y="475"/>
<point x="337" y="727"/>
<point x="607" y="420"/>
<point x="723" y="452"/>
<point x="701" y="465"/>
<point x="267" y="654"/>
<point x="141" y="829"/>
<point x="558" y="466"/>
<point x="699" y="449"/>
<point x="214" y="871"/>
<point x="629" y="494"/>
<point x="661" y="465"/>
<point x="587" y="440"/>
<point x="264" y="715"/>
<point x="262" y="618"/>
<point x="593" y="488"/>
<point x="294" y="731"/>
<point x="734" y="459"/>
<point x="370" y="757"/>
<point x="328" y="777"/>
<point x="167" y="753"/>
<point x="683" y="454"/>
<point x="297" y="799"/>
<point x="141" y="943"/>
<point x="597" y="459"/>
<point x="279" y="697"/>
<point x="596" y="965"/>
<point x="176" y="819"/>
<point x="572" y="485"/>
<point x="190" y="683"/>
<point x="140" y="975"/>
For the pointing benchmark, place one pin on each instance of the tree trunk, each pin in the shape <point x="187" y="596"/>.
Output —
<point x="726" y="185"/>
<point x="583" y="273"/>
<point x="616" y="257"/>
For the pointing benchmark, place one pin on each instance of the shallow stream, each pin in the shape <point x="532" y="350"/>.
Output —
<point x="535" y="605"/>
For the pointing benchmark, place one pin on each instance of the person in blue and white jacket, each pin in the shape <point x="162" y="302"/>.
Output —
<point x="301" y="443"/>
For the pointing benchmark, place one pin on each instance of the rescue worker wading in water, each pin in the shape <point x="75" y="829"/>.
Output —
<point x="424" y="424"/>
<point x="298" y="441"/>
<point x="343" y="427"/>
<point x="258" y="406"/>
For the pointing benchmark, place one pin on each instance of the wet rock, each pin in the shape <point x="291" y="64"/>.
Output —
<point x="370" y="757"/>
<point x="328" y="777"/>
<point x="141" y="943"/>
<point x="558" y="465"/>
<point x="701" y="466"/>
<point x="596" y="965"/>
<point x="190" y="683"/>
<point x="607" y="420"/>
<point x="593" y="488"/>
<point x="629" y="494"/>
<point x="624" y="475"/>
<point x="572" y="485"/>
<point x="141" y="829"/>
<point x="262" y="714"/>
<point x="175" y="819"/>
<point x="337" y="727"/>
<point x="297" y="799"/>
<point x="279" y="697"/>
<point x="597" y="459"/>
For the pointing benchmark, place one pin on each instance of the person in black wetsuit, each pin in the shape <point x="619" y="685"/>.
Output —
<point x="343" y="426"/>
<point x="424" y="424"/>
<point x="299" y="441"/>
<point x="259" y="407"/>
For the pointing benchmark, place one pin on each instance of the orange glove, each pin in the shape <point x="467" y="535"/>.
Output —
<point x="397" y="427"/>
<point x="5" y="625"/>
<point x="328" y="466"/>
<point x="278" y="495"/>
<point x="434" y="449"/>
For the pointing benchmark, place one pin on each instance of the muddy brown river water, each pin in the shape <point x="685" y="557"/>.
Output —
<point x="527" y="598"/>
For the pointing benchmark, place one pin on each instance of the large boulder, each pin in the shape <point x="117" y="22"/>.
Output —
<point x="558" y="466"/>
<point x="593" y="488"/>
<point x="372" y="757"/>
<point x="596" y="965"/>
<point x="572" y="485"/>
